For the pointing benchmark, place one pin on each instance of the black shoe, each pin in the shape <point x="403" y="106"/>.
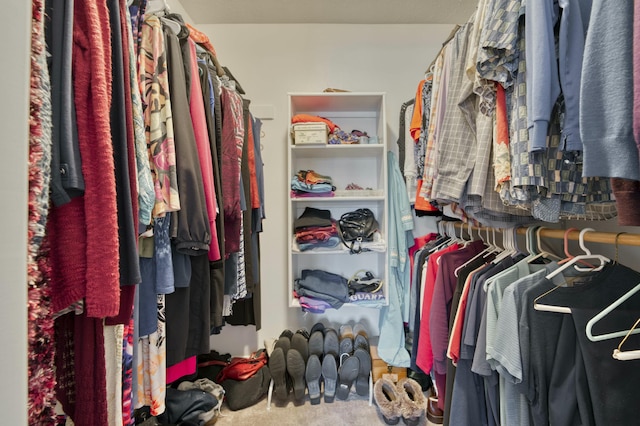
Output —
<point x="346" y="340"/>
<point x="312" y="376"/>
<point x="301" y="343"/>
<point x="296" y="370"/>
<point x="317" y="327"/>
<point x="330" y="377"/>
<point x="278" y="370"/>
<point x="316" y="344"/>
<point x="362" y="381"/>
<point x="347" y="373"/>
<point x="361" y="342"/>
<point x="284" y="341"/>
<point x="331" y="343"/>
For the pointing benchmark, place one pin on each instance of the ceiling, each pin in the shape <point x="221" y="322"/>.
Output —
<point x="329" y="11"/>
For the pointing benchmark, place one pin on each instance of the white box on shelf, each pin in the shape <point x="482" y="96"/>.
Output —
<point x="310" y="133"/>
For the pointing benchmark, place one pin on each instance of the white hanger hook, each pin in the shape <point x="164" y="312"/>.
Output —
<point x="581" y="240"/>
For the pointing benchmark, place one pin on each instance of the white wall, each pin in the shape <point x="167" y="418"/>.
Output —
<point x="271" y="60"/>
<point x="14" y="85"/>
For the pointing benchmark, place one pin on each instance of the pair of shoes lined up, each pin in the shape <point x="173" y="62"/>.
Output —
<point x="308" y="360"/>
<point x="287" y="365"/>
<point x="325" y="363"/>
<point x="355" y="360"/>
<point x="404" y="400"/>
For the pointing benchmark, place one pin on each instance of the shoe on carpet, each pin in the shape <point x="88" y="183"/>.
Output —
<point x="312" y="376"/>
<point x="300" y="342"/>
<point x="435" y="416"/>
<point x="296" y="370"/>
<point x="346" y="339"/>
<point x="347" y="374"/>
<point x="284" y="341"/>
<point x="361" y="342"/>
<point x="331" y="343"/>
<point x="330" y="378"/>
<point x="278" y="370"/>
<point x="316" y="344"/>
<point x="387" y="397"/>
<point x="364" y="370"/>
<point x="317" y="327"/>
<point x="359" y="329"/>
<point x="413" y="404"/>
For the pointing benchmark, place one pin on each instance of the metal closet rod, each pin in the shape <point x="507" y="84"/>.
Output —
<point x="624" y="239"/>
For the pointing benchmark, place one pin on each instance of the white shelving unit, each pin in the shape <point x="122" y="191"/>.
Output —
<point x="361" y="164"/>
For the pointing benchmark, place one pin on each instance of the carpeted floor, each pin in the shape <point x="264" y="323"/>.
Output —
<point x="354" y="411"/>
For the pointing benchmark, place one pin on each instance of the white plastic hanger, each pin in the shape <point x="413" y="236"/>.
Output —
<point x="484" y="253"/>
<point x="588" y="256"/>
<point x="605" y="312"/>
<point x="537" y="252"/>
<point x="507" y="243"/>
<point x="156" y="7"/>
<point x="621" y="355"/>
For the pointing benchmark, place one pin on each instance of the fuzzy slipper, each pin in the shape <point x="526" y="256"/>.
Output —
<point x="296" y="370"/>
<point x="347" y="373"/>
<point x="278" y="370"/>
<point x="413" y="403"/>
<point x="362" y="381"/>
<point x="387" y="398"/>
<point x="312" y="376"/>
<point x="330" y="377"/>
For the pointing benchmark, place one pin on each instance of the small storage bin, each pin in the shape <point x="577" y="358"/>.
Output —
<point x="310" y="133"/>
<point x="380" y="368"/>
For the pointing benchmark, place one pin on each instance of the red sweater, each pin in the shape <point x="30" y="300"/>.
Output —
<point x="84" y="232"/>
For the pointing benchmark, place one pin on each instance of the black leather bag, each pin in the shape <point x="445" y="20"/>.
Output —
<point x="357" y="226"/>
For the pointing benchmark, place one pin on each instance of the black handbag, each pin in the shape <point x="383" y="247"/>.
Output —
<point x="357" y="226"/>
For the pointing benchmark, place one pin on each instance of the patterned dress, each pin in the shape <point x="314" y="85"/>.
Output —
<point x="154" y="87"/>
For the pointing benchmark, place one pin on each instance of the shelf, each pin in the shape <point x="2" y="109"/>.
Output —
<point x="317" y="103"/>
<point x="335" y="252"/>
<point x="344" y="151"/>
<point x="337" y="199"/>
<point x="358" y="165"/>
<point x="295" y="303"/>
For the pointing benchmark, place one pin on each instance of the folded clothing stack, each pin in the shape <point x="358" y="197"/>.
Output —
<point x="308" y="183"/>
<point x="316" y="229"/>
<point x="321" y="286"/>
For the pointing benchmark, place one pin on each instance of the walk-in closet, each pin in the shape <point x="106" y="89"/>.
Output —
<point x="416" y="212"/>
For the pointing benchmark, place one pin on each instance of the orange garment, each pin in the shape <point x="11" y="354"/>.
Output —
<point x="255" y="196"/>
<point x="453" y="350"/>
<point x="306" y="118"/>
<point x="416" y="119"/>
<point x="422" y="203"/>
<point x="502" y="156"/>
<point x="201" y="38"/>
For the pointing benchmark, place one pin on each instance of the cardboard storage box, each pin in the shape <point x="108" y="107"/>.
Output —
<point x="380" y="368"/>
<point x="310" y="133"/>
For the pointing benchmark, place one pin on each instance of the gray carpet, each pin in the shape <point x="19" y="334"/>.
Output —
<point x="354" y="411"/>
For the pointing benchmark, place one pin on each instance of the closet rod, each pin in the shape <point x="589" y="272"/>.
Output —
<point x="624" y="239"/>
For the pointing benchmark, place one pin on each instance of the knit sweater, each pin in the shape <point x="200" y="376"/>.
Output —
<point x="85" y="231"/>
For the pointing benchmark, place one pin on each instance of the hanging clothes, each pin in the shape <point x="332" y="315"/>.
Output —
<point x="391" y="344"/>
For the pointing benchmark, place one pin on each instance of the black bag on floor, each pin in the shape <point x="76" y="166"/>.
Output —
<point x="241" y="394"/>
<point x="188" y="407"/>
